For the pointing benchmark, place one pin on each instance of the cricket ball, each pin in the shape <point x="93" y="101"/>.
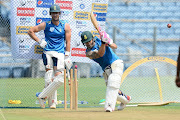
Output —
<point x="75" y="66"/>
<point x="169" y="25"/>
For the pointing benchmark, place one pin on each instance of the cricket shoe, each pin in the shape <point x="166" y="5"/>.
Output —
<point x="109" y="109"/>
<point x="42" y="102"/>
<point x="122" y="105"/>
<point x="53" y="106"/>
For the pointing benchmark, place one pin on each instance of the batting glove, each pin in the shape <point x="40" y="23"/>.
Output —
<point x="105" y="38"/>
<point x="42" y="43"/>
<point x="67" y="61"/>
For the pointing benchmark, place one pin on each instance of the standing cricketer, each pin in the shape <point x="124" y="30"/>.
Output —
<point x="100" y="50"/>
<point x="57" y="33"/>
<point x="178" y="70"/>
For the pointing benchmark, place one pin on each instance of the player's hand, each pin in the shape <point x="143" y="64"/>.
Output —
<point x="105" y="38"/>
<point x="42" y="43"/>
<point x="68" y="62"/>
<point x="177" y="81"/>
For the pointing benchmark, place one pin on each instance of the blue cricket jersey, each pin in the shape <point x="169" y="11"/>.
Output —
<point x="55" y="36"/>
<point x="109" y="56"/>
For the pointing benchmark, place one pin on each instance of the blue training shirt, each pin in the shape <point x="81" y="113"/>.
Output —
<point x="109" y="56"/>
<point x="55" y="36"/>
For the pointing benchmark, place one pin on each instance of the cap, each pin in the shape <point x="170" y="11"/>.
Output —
<point x="54" y="8"/>
<point x="86" y="36"/>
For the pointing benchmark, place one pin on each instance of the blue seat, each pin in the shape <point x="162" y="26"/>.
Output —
<point x="152" y="14"/>
<point x="120" y="8"/>
<point x="160" y="8"/>
<point x="155" y="4"/>
<point x="139" y="25"/>
<point x="126" y="25"/>
<point x="177" y="31"/>
<point x="173" y="8"/>
<point x="177" y="14"/>
<point x="133" y="8"/>
<point x="168" y="4"/>
<point x="147" y="8"/>
<point x="17" y="72"/>
<point x="5" y="72"/>
<point x="166" y="14"/>
<point x="140" y="14"/>
<point x="141" y="4"/>
<point x="139" y="31"/>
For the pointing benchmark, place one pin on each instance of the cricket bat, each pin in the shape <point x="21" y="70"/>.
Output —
<point x="95" y="23"/>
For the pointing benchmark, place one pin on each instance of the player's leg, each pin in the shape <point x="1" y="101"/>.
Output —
<point x="124" y="99"/>
<point x="113" y="85"/>
<point x="47" y="60"/>
<point x="58" y="79"/>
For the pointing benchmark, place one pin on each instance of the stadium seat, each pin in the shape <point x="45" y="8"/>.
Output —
<point x="17" y="72"/>
<point x="147" y="9"/>
<point x="155" y="4"/>
<point x="5" y="72"/>
<point x="141" y="4"/>
<point x="168" y="4"/>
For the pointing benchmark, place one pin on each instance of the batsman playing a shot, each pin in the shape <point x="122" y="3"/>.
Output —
<point x="57" y="32"/>
<point x="100" y="50"/>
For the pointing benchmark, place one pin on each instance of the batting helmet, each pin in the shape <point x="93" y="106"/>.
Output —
<point x="54" y="8"/>
<point x="86" y="36"/>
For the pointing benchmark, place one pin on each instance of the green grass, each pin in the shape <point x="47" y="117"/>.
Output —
<point x="92" y="90"/>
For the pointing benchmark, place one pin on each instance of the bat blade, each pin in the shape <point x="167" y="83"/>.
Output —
<point x="95" y="23"/>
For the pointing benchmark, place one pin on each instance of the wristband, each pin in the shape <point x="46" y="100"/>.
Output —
<point x="103" y="42"/>
<point x="67" y="53"/>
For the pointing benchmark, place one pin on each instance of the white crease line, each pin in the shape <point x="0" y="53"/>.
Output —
<point x="2" y="114"/>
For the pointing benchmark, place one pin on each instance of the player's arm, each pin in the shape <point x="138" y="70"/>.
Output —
<point x="96" y="53"/>
<point x="178" y="64"/>
<point x="35" y="29"/>
<point x="113" y="46"/>
<point x="68" y="38"/>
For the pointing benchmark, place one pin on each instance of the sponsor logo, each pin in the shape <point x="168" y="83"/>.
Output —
<point x="99" y="7"/>
<point x="99" y="1"/>
<point x="40" y="20"/>
<point x="44" y="12"/>
<point x="38" y="49"/>
<point x="23" y="40"/>
<point x="95" y="33"/>
<point x="25" y="2"/>
<point x="45" y="3"/>
<point x="100" y="16"/>
<point x="80" y="15"/>
<point x="65" y="4"/>
<point x="24" y="46"/>
<point x="80" y="24"/>
<point x="65" y="13"/>
<point x="25" y="20"/>
<point x="82" y="6"/>
<point x="51" y="29"/>
<point x="80" y="52"/>
<point x="80" y="32"/>
<point x="22" y="29"/>
<point x="25" y="11"/>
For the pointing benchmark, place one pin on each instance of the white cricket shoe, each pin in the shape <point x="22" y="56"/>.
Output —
<point x="53" y="106"/>
<point x="42" y="102"/>
<point x="122" y="105"/>
<point x="109" y="109"/>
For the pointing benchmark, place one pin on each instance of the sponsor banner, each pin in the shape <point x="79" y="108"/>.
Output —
<point x="81" y="52"/>
<point x="28" y="13"/>
<point x="25" y="11"/>
<point x="38" y="49"/>
<point x="99" y="7"/>
<point x="42" y="12"/>
<point x="100" y="16"/>
<point x="22" y="29"/>
<point x="80" y="15"/>
<point x="26" y="3"/>
<point x="25" y="21"/>
<point x="40" y="20"/>
<point x="68" y="5"/>
<point x="45" y="3"/>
